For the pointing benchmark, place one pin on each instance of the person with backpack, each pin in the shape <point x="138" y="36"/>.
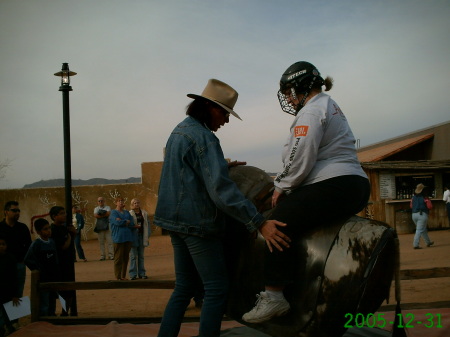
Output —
<point x="421" y="205"/>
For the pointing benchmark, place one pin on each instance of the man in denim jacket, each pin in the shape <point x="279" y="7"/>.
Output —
<point x="195" y="193"/>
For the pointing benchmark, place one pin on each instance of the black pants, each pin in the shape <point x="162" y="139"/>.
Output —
<point x="307" y="207"/>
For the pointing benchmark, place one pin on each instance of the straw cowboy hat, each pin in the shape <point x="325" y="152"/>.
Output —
<point x="220" y="93"/>
<point x="419" y="188"/>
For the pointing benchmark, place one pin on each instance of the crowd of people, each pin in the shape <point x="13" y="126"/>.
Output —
<point x="53" y="252"/>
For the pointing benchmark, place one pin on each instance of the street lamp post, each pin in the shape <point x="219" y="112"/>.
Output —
<point x="65" y="87"/>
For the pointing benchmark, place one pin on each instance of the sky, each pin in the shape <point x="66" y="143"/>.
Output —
<point x="136" y="61"/>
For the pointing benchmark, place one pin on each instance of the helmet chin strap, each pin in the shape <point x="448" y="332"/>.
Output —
<point x="305" y="95"/>
<point x="302" y="103"/>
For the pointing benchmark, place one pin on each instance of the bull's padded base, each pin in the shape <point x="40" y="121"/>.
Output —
<point x="39" y="329"/>
<point x="354" y="332"/>
<point x="366" y="332"/>
<point x="229" y="328"/>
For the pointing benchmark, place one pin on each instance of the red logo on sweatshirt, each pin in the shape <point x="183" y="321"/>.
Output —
<point x="301" y="131"/>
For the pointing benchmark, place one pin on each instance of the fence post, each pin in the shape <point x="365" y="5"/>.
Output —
<point x="34" y="296"/>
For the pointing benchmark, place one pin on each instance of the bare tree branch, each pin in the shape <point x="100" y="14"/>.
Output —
<point x="4" y="164"/>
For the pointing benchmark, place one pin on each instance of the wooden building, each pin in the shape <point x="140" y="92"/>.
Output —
<point x="397" y="165"/>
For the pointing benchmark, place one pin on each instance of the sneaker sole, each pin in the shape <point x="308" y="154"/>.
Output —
<point x="265" y="319"/>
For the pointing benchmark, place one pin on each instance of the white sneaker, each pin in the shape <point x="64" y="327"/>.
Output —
<point x="266" y="308"/>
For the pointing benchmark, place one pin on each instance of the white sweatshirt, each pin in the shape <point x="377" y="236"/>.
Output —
<point x="320" y="146"/>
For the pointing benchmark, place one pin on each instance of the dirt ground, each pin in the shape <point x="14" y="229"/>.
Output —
<point x="159" y="265"/>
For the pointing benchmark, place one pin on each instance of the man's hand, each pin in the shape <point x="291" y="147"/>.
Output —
<point x="236" y="163"/>
<point x="71" y="229"/>
<point x="16" y="301"/>
<point x="273" y="236"/>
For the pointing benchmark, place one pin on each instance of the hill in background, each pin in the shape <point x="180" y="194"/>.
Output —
<point x="93" y="181"/>
<point x="80" y="182"/>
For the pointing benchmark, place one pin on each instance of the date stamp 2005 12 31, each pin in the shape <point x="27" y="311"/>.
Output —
<point x="378" y="320"/>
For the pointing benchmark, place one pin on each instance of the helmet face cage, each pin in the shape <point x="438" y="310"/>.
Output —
<point x="287" y="94"/>
<point x="297" y="80"/>
<point x="285" y="103"/>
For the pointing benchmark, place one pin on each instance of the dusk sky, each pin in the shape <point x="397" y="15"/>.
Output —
<point x="136" y="60"/>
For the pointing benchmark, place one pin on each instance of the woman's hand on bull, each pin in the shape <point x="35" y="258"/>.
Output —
<point x="276" y="197"/>
<point x="273" y="236"/>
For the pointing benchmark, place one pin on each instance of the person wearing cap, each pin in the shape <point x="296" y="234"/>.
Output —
<point x="421" y="205"/>
<point x="321" y="182"/>
<point x="195" y="194"/>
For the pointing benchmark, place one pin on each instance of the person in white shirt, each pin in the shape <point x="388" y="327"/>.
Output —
<point x="142" y="233"/>
<point x="321" y="179"/>
<point x="446" y="199"/>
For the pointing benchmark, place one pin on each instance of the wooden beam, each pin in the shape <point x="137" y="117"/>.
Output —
<point x="416" y="274"/>
<point x="34" y="296"/>
<point x="97" y="285"/>
<point x="413" y="306"/>
<point x="71" y="320"/>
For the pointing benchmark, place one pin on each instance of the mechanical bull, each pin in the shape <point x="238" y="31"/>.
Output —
<point x="342" y="268"/>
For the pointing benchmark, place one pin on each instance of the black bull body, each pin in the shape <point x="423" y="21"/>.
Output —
<point x="342" y="268"/>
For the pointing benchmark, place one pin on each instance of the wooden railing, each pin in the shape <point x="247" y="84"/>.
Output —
<point x="418" y="274"/>
<point x="36" y="287"/>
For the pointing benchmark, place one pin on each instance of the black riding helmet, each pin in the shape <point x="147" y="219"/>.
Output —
<point x="298" y="79"/>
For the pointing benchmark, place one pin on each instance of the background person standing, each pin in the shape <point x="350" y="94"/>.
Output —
<point x="8" y="285"/>
<point x="122" y="228"/>
<point x="43" y="256"/>
<point x="78" y="223"/>
<point x="446" y="199"/>
<point x="63" y="234"/>
<point x="142" y="233"/>
<point x="421" y="205"/>
<point x="102" y="213"/>
<point x="18" y="237"/>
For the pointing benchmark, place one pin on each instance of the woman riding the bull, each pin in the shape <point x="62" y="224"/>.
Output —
<point x="322" y="179"/>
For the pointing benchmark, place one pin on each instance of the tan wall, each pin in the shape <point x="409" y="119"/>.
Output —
<point x="151" y="173"/>
<point x="38" y="201"/>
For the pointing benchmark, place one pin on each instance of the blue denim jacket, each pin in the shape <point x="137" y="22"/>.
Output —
<point x="195" y="190"/>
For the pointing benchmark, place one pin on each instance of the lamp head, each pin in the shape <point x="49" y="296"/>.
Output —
<point x="65" y="74"/>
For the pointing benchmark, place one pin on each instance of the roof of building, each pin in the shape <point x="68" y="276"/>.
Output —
<point x="408" y="165"/>
<point x="385" y="151"/>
